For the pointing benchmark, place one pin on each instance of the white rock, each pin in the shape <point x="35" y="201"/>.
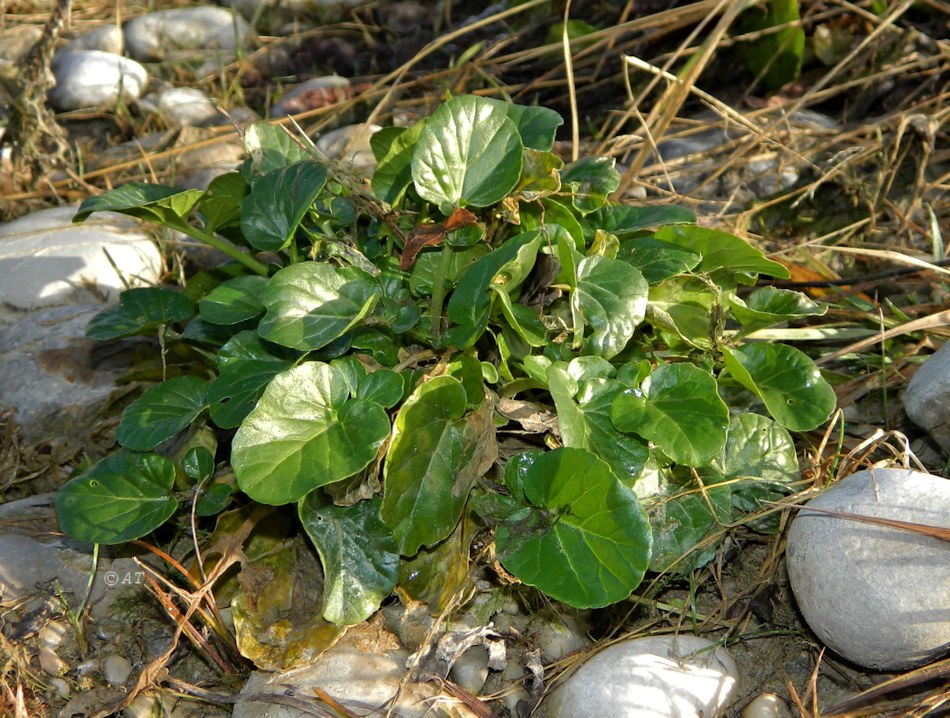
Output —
<point x="165" y="33"/>
<point x="116" y="669"/>
<point x="54" y="377"/>
<point x="766" y="705"/>
<point x="557" y="636"/>
<point x="470" y="671"/>
<point x="28" y="568"/>
<point x="46" y="260"/>
<point x="306" y="95"/>
<point x="50" y="662"/>
<point x="655" y="677"/>
<point x="350" y="144"/>
<point x="107" y="38"/>
<point x="927" y="399"/>
<point x="876" y="595"/>
<point x="91" y="78"/>
<point x="60" y="686"/>
<point x="186" y="106"/>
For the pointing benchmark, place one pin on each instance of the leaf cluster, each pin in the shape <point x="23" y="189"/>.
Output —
<point x="368" y="350"/>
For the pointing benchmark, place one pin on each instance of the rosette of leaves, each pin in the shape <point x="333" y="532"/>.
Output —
<point x="359" y="371"/>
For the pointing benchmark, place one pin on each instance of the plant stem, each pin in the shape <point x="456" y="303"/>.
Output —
<point x="438" y="289"/>
<point x="222" y="245"/>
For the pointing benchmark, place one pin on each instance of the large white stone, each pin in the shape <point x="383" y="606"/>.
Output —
<point x="165" y="33"/>
<point x="46" y="260"/>
<point x="92" y="78"/>
<point x="655" y="677"/>
<point x="927" y="399"/>
<point x="53" y="376"/>
<point x="107" y="38"/>
<point x="878" y="596"/>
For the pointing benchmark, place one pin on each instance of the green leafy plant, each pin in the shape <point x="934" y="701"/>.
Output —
<point x="367" y="354"/>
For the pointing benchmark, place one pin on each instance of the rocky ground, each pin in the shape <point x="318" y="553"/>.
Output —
<point x="842" y="173"/>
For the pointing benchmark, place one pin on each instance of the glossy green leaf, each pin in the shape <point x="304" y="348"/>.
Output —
<point x="657" y="260"/>
<point x="469" y="154"/>
<point x="759" y="460"/>
<point x="236" y="390"/>
<point x="687" y="526"/>
<point x="305" y="432"/>
<point x="151" y="202"/>
<point x="161" y="412"/>
<point x="470" y="304"/>
<point x="591" y="180"/>
<point x="234" y="301"/>
<point x="678" y="408"/>
<point x="393" y="148"/>
<point x="611" y="296"/>
<point x="434" y="458"/>
<point x="220" y="206"/>
<point x="779" y="45"/>
<point x="384" y="387"/>
<point x="787" y="381"/>
<point x="427" y="264"/>
<point x="720" y="250"/>
<point x="121" y="498"/>
<point x="767" y="306"/>
<point x="140" y="311"/>
<point x="586" y="543"/>
<point x="684" y="305"/>
<point x="540" y="176"/>
<point x="360" y="563"/>
<point x="536" y="125"/>
<point x="583" y="413"/>
<point x="310" y="304"/>
<point x="214" y="499"/>
<point x="277" y="204"/>
<point x="198" y="464"/>
<point x="270" y="147"/>
<point x="624" y="220"/>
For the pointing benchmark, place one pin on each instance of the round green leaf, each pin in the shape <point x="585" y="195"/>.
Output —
<point x="583" y="414"/>
<point x="140" y="311"/>
<point x="786" y="380"/>
<point x="677" y="407"/>
<point x="767" y="306"/>
<point x="360" y="563"/>
<point x="469" y="153"/>
<point x="304" y="433"/>
<point x="591" y="180"/>
<point x="233" y="301"/>
<point x="123" y="497"/>
<point x="278" y="202"/>
<point x="161" y="412"/>
<point x="588" y="543"/>
<point x="310" y="304"/>
<point x="611" y="296"/>
<point x="536" y="125"/>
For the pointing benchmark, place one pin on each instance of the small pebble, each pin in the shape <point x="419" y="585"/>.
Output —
<point x="470" y="670"/>
<point x="107" y="38"/>
<point x="50" y="662"/>
<point x="92" y="78"/>
<point x="186" y="106"/>
<point x="60" y="686"/>
<point x="311" y="94"/>
<point x="116" y="669"/>
<point x="766" y="705"/>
